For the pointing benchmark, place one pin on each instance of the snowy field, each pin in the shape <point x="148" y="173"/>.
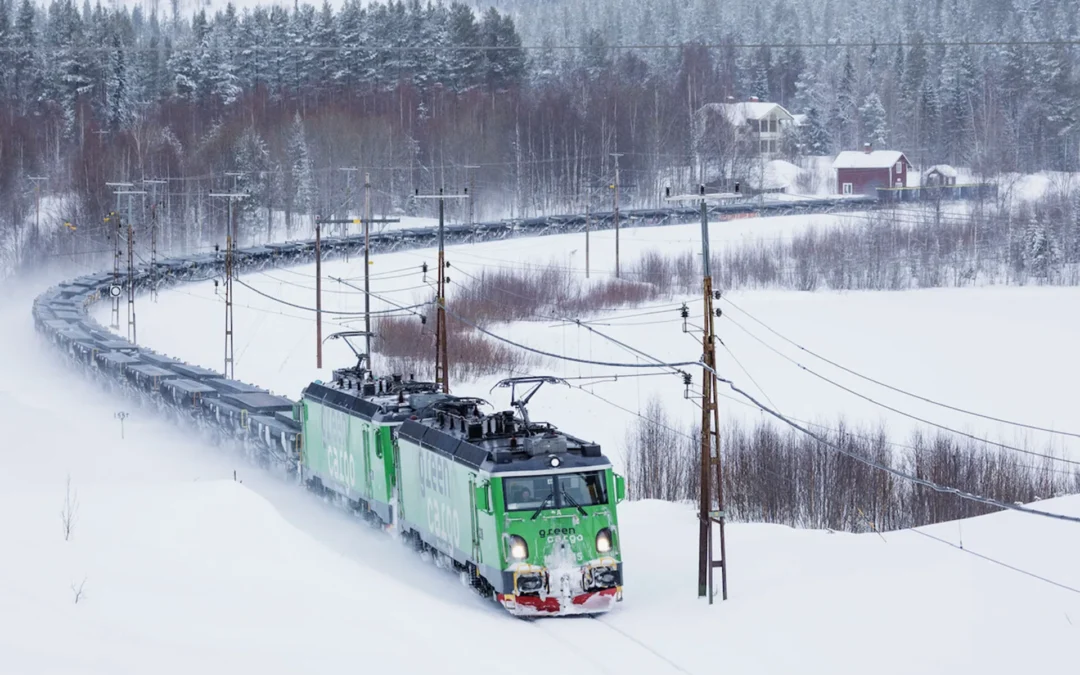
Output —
<point x="186" y="569"/>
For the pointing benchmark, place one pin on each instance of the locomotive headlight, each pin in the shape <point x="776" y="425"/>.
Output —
<point x="603" y="540"/>
<point x="519" y="550"/>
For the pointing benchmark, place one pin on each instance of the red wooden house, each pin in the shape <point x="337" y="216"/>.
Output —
<point x="862" y="172"/>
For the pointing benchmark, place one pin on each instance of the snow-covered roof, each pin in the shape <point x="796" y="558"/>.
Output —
<point x="739" y="113"/>
<point x="860" y="159"/>
<point x="943" y="169"/>
<point x="799" y="119"/>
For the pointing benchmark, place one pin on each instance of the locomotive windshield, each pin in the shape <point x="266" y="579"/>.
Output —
<point x="555" y="491"/>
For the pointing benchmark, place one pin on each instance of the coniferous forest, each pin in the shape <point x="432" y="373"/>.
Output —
<point x="526" y="100"/>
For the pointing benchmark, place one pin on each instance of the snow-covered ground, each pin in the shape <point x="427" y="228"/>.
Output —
<point x="186" y="569"/>
<point x="989" y="350"/>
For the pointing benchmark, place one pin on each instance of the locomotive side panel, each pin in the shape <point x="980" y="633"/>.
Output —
<point x="331" y="453"/>
<point x="438" y="501"/>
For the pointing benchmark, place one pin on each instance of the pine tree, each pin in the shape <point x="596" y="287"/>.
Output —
<point x="504" y="67"/>
<point x="873" y="123"/>
<point x="26" y="64"/>
<point x="465" y="68"/>
<point x="120" y="112"/>
<point x="7" y="46"/>
<point x="252" y="162"/>
<point x="302" y="179"/>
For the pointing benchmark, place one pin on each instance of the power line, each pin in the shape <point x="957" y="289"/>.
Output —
<point x="788" y="480"/>
<point x="897" y="389"/>
<point x="998" y="562"/>
<point x="323" y="311"/>
<point x="897" y="410"/>
<point x="936" y="487"/>
<point x="563" y="357"/>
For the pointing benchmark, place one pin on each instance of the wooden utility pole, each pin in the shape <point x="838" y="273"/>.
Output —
<point x="367" y="221"/>
<point x="367" y="266"/>
<point x="469" y="168"/>
<point x="154" y="204"/>
<point x="616" y="155"/>
<point x="442" y="360"/>
<point x="318" y="292"/>
<point x="349" y="171"/>
<point x="115" y="294"/>
<point x="710" y="427"/>
<point x="230" y="274"/>
<point x="37" y="203"/>
<point x="130" y="194"/>
<point x="588" y="222"/>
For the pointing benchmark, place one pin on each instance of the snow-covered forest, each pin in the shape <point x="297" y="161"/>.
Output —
<point x="291" y="96"/>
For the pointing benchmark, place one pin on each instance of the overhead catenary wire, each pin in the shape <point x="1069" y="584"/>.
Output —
<point x="787" y="479"/>
<point x="896" y="410"/>
<point x="894" y="388"/>
<point x="936" y="487"/>
<point x="323" y="311"/>
<point x="995" y="561"/>
<point x="676" y="366"/>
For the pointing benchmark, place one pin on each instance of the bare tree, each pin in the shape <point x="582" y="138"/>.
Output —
<point x="77" y="590"/>
<point x="70" y="510"/>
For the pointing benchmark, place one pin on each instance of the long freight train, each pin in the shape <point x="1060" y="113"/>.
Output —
<point x="524" y="512"/>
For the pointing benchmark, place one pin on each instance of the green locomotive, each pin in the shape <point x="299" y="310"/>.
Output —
<point x="524" y="512"/>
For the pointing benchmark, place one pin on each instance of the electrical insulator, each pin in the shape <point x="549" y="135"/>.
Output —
<point x="448" y="263"/>
<point x="685" y="311"/>
<point x="447" y="279"/>
<point x="716" y="295"/>
<point x="719" y="312"/>
<point x="423" y="319"/>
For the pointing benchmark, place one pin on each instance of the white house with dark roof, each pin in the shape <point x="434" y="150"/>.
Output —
<point x="762" y="124"/>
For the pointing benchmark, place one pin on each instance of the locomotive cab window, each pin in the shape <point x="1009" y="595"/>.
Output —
<point x="555" y="491"/>
<point x="527" y="493"/>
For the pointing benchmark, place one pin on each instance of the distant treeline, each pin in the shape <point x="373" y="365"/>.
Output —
<point x="537" y="97"/>
<point x="780" y="475"/>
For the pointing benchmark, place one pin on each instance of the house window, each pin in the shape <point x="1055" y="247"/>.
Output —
<point x="847" y="188"/>
<point x="899" y="167"/>
<point x="772" y="126"/>
<point x="764" y="147"/>
<point x="772" y="146"/>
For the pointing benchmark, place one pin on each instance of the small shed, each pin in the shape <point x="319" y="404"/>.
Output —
<point x="939" y="175"/>
<point x="862" y="172"/>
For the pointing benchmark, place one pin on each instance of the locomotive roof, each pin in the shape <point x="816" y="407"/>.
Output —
<point x="392" y="401"/>
<point x="506" y="450"/>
